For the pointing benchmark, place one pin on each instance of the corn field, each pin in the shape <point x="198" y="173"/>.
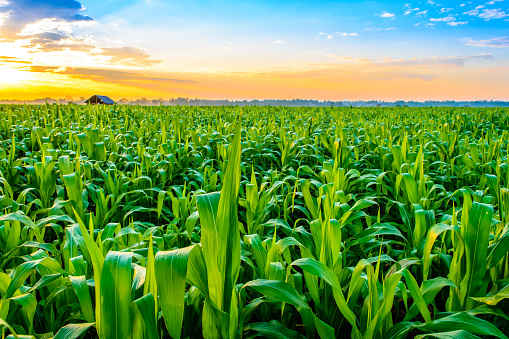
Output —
<point x="135" y="222"/>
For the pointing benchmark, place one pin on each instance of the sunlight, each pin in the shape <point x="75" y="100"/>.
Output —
<point x="12" y="76"/>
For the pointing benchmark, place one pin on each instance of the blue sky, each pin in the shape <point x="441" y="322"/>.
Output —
<point x="393" y="27"/>
<point x="331" y="44"/>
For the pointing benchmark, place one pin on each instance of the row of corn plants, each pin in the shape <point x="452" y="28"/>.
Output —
<point x="216" y="222"/>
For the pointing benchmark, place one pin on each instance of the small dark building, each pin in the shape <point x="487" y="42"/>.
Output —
<point x="100" y="100"/>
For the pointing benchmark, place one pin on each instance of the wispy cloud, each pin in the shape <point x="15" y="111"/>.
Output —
<point x="346" y="34"/>
<point x="107" y="76"/>
<point x="457" y="23"/>
<point x="388" y="68"/>
<point x="445" y="10"/>
<point x="278" y="42"/>
<point x="426" y="62"/>
<point x="13" y="60"/>
<point x="376" y="29"/>
<point x="410" y="10"/>
<point x="128" y="56"/>
<point x="473" y="12"/>
<point x="501" y="42"/>
<point x="386" y="14"/>
<point x="444" y="19"/>
<point x="493" y="14"/>
<point x="488" y="14"/>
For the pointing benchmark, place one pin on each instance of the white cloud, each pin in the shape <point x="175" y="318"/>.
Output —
<point x="278" y="42"/>
<point x="53" y="26"/>
<point x="457" y="23"/>
<point x="374" y="29"/>
<point x="346" y="34"/>
<point x="480" y="6"/>
<point x="386" y="15"/>
<point x="3" y="17"/>
<point x="473" y="12"/>
<point x="488" y="14"/>
<point x="501" y="42"/>
<point x="391" y="28"/>
<point x="493" y="14"/>
<point x="410" y="10"/>
<point x="429" y="2"/>
<point x="421" y="13"/>
<point x="445" y="10"/>
<point x="329" y="37"/>
<point x="446" y="61"/>
<point x="445" y="19"/>
<point x="3" y="3"/>
<point x="423" y="62"/>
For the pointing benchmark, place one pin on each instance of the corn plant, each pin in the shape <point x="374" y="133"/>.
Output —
<point x="187" y="222"/>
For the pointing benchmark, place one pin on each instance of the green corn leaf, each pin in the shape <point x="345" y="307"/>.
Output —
<point x="3" y="323"/>
<point x="429" y="290"/>
<point x="170" y="272"/>
<point x="499" y="250"/>
<point x="278" y="290"/>
<point x="150" y="285"/>
<point x="433" y="234"/>
<point x="81" y="288"/>
<point x="20" y="217"/>
<point x="115" y="296"/>
<point x="494" y="299"/>
<point x="476" y="237"/>
<point x="28" y="303"/>
<point x="416" y="294"/>
<point x="455" y="322"/>
<point x="146" y="306"/>
<point x="273" y="330"/>
<point x="461" y="334"/>
<point x="24" y="270"/>
<point x="72" y="331"/>
<point x="97" y="264"/>
<point x="220" y="238"/>
<point x="281" y="291"/>
<point x="318" y="269"/>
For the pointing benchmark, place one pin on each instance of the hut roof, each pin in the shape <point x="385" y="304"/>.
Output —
<point x="100" y="99"/>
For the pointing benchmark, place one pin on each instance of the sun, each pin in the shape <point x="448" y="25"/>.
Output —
<point x="12" y="76"/>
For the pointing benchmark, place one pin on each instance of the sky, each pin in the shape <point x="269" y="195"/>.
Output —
<point x="220" y="49"/>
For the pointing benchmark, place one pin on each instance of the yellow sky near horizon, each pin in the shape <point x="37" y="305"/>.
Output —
<point x="328" y="82"/>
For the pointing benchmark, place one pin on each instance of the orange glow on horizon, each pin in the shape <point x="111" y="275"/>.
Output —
<point x="321" y="84"/>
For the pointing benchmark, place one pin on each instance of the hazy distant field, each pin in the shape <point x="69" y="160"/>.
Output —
<point x="222" y="222"/>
